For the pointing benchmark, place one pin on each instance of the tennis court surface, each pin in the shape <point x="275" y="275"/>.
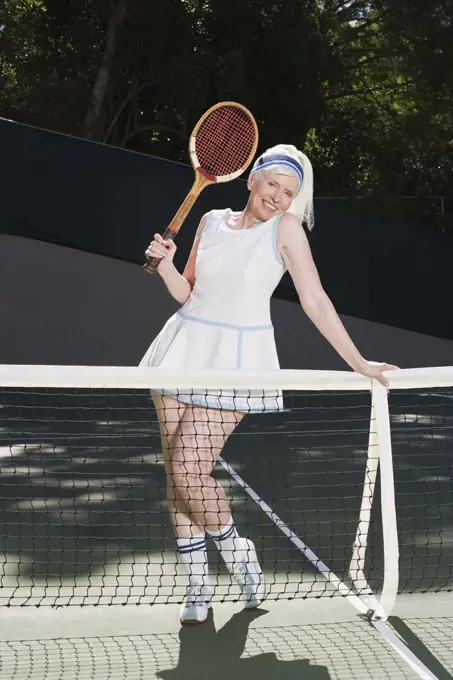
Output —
<point x="347" y="496"/>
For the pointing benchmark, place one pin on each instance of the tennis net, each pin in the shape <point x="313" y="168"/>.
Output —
<point x="344" y="492"/>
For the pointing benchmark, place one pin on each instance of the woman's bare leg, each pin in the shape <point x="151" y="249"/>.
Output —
<point x="195" y="449"/>
<point x="169" y="414"/>
<point x="193" y="438"/>
<point x="188" y="527"/>
<point x="193" y="452"/>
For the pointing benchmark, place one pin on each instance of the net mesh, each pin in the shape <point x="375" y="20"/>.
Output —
<point x="225" y="141"/>
<point x="84" y="511"/>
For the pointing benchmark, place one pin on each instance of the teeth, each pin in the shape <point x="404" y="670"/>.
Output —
<point x="268" y="205"/>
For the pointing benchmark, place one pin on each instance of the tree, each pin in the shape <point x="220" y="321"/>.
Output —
<point x="363" y="85"/>
<point x="48" y="52"/>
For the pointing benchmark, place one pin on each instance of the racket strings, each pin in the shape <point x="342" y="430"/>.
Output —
<point x="225" y="141"/>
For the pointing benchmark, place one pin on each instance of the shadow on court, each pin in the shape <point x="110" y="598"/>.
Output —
<point x="419" y="648"/>
<point x="207" y="654"/>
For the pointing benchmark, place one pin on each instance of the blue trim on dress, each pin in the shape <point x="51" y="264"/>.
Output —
<point x="221" y="324"/>
<point x="239" y="349"/>
<point x="208" y="222"/>
<point x="274" y="240"/>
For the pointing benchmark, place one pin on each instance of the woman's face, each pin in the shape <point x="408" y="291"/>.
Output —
<point x="271" y="193"/>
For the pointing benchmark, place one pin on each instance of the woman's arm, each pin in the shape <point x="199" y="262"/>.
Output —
<point x="295" y="250"/>
<point x="179" y="286"/>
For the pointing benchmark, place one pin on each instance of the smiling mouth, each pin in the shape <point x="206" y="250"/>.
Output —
<point x="269" y="206"/>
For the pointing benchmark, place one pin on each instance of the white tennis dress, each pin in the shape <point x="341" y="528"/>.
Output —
<point x="226" y="322"/>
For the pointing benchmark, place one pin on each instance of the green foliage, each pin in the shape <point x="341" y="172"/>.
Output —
<point x="48" y="62"/>
<point x="365" y="86"/>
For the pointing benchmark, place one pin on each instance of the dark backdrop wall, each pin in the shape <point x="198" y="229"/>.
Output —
<point x="63" y="306"/>
<point x="105" y="200"/>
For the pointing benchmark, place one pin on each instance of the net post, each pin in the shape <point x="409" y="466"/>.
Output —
<point x="379" y="453"/>
<point x="388" y="505"/>
<point x="357" y="563"/>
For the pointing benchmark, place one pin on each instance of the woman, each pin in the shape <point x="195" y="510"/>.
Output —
<point x="236" y="262"/>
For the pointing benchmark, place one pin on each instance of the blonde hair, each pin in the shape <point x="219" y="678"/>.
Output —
<point x="302" y="205"/>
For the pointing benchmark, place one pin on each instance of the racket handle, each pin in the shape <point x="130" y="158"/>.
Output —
<point x="170" y="232"/>
<point x="152" y="263"/>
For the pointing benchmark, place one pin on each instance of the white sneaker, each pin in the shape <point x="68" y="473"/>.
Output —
<point x="197" y="604"/>
<point x="247" y="573"/>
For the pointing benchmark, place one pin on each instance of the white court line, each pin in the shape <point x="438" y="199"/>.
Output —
<point x="383" y="629"/>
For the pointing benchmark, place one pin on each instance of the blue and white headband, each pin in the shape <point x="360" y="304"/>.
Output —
<point x="265" y="162"/>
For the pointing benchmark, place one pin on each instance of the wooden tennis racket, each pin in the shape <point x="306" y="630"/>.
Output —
<point x="222" y="145"/>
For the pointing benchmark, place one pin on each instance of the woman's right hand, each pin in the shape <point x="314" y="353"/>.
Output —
<point x="164" y="249"/>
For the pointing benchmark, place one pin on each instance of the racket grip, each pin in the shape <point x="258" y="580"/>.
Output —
<point x="152" y="263"/>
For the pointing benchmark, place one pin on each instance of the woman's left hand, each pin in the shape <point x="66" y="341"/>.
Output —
<point x="373" y="369"/>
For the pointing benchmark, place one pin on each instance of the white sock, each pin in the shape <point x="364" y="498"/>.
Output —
<point x="226" y="542"/>
<point x="193" y="554"/>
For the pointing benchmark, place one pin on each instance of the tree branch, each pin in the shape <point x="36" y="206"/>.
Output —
<point x="133" y="91"/>
<point x="103" y="76"/>
<point x="369" y="90"/>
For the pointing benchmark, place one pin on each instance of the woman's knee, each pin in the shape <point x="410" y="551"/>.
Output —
<point x="185" y="473"/>
<point x="193" y="450"/>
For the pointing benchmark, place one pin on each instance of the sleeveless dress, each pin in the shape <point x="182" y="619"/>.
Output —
<point x="225" y="323"/>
